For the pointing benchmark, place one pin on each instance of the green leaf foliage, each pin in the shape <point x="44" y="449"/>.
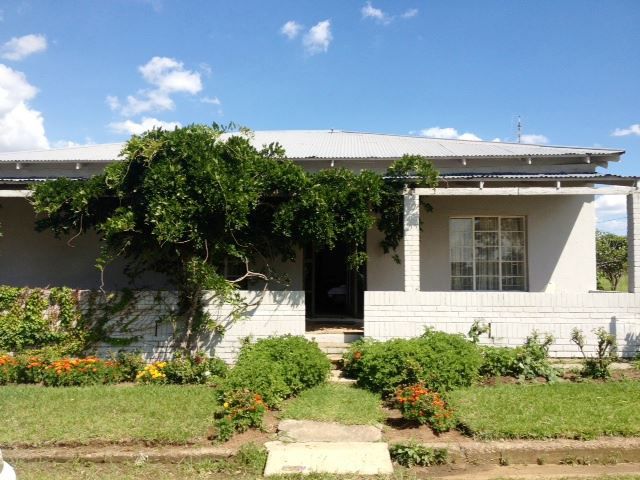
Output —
<point x="611" y="256"/>
<point x="278" y="367"/>
<point x="186" y="202"/>
<point x="439" y="360"/>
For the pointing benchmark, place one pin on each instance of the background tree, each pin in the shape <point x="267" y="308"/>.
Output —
<point x="186" y="201"/>
<point x="611" y="256"/>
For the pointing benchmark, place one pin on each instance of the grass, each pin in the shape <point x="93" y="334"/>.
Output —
<point x="581" y="411"/>
<point x="623" y="284"/>
<point x="80" y="415"/>
<point x="335" y="403"/>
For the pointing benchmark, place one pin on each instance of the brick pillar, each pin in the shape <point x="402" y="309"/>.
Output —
<point x="411" y="242"/>
<point x="633" y="239"/>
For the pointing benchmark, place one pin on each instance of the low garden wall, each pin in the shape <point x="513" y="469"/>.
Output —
<point x="149" y="317"/>
<point x="512" y="316"/>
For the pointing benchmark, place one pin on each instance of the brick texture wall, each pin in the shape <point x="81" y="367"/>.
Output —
<point x="513" y="316"/>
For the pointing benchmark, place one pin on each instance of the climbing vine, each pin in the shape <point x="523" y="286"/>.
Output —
<point x="36" y="318"/>
<point x="187" y="202"/>
<point x="58" y="319"/>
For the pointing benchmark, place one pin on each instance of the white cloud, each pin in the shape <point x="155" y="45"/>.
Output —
<point x="135" y="128"/>
<point x="369" y="11"/>
<point x="412" y="12"/>
<point x="21" y="127"/>
<point x="71" y="143"/>
<point x="448" y="132"/>
<point x="623" y="132"/>
<point x="533" y="138"/>
<point x="611" y="213"/>
<point x="168" y="76"/>
<point x="318" y="38"/>
<point x="211" y="100"/>
<point x="205" y="68"/>
<point x="291" y="29"/>
<point x="21" y="47"/>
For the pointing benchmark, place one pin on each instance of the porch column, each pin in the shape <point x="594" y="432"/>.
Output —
<point x="633" y="239"/>
<point x="411" y="241"/>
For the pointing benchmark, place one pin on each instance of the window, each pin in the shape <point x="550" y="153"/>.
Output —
<point x="487" y="253"/>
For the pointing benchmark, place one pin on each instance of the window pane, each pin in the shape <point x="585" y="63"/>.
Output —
<point x="461" y="283"/>
<point x="512" y="253"/>
<point x="461" y="253"/>
<point x="487" y="268"/>
<point x="512" y="224"/>
<point x="512" y="283"/>
<point x="484" y="224"/>
<point x="487" y="283"/>
<point x="461" y="269"/>
<point x="513" y="269"/>
<point x="484" y="254"/>
<point x="512" y="239"/>
<point x="487" y="253"/>
<point x="485" y="239"/>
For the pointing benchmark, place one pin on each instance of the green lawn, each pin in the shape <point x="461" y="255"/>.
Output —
<point x="565" y="410"/>
<point x="335" y="403"/>
<point x="623" y="284"/>
<point x="157" y="414"/>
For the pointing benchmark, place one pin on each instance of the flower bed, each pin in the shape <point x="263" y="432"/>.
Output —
<point x="426" y="407"/>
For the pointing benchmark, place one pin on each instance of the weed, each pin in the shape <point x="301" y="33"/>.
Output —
<point x="411" y="454"/>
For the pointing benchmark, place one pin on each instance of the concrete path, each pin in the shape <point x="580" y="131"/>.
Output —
<point x="306" y="447"/>
<point x="309" y="431"/>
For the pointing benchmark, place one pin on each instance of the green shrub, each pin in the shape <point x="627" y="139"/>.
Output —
<point x="528" y="361"/>
<point x="598" y="366"/>
<point x="278" y="367"/>
<point x="411" y="454"/>
<point x="8" y="369"/>
<point x="425" y="407"/>
<point x="533" y="358"/>
<point x="439" y="360"/>
<point x="130" y="364"/>
<point x="241" y="411"/>
<point x="499" y="362"/>
<point x="196" y="369"/>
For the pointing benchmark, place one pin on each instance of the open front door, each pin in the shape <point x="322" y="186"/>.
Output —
<point x="333" y="290"/>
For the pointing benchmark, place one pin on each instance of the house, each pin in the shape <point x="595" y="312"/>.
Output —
<point x="510" y="243"/>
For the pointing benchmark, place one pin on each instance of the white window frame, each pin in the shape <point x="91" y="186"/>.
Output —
<point x="473" y="236"/>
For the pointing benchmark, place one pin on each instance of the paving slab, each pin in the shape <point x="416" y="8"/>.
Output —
<point x="310" y="431"/>
<point x="362" y="458"/>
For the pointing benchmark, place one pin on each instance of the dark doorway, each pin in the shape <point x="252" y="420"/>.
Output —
<point x="333" y="289"/>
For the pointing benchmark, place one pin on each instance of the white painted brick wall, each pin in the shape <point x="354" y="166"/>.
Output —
<point x="270" y="313"/>
<point x="512" y="315"/>
<point x="633" y="238"/>
<point x="411" y="240"/>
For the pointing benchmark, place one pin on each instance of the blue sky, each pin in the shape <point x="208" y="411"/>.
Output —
<point x="95" y="71"/>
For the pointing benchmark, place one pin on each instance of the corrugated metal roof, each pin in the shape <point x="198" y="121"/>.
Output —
<point x="106" y="152"/>
<point x="329" y="144"/>
<point x="536" y="176"/>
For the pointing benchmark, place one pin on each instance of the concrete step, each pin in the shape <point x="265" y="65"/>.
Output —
<point x="334" y="337"/>
<point x="335" y="358"/>
<point x="331" y="347"/>
<point x="342" y="458"/>
<point x="338" y="377"/>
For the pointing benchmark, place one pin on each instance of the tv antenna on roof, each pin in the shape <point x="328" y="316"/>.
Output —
<point x="519" y="129"/>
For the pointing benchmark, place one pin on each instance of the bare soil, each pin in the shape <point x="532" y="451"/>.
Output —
<point x="397" y="429"/>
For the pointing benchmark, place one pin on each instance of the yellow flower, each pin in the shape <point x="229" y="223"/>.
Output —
<point x="226" y="405"/>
